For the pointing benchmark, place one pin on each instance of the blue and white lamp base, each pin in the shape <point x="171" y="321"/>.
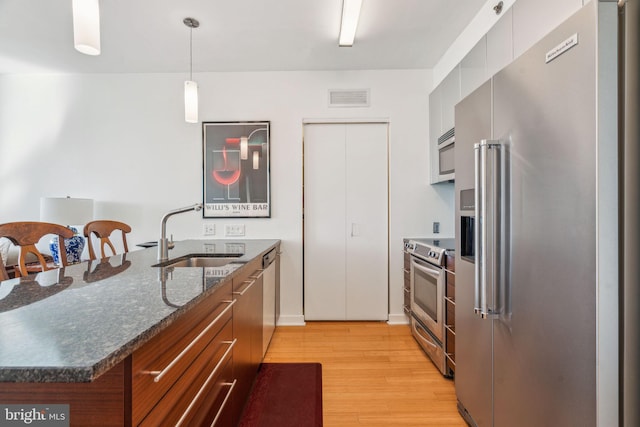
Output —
<point x="74" y="245"/>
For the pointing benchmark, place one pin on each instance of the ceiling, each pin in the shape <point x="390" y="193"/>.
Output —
<point x="148" y="36"/>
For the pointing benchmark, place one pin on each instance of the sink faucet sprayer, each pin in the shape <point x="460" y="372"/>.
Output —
<point x="163" y="244"/>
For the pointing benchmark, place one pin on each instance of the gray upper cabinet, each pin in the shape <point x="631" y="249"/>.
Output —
<point x="473" y="68"/>
<point x="442" y="101"/>
<point x="500" y="44"/>
<point x="435" y="126"/>
<point x="450" y="97"/>
<point x="519" y="27"/>
<point x="533" y="19"/>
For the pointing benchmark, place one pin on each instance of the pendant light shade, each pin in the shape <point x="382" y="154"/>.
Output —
<point x="191" y="101"/>
<point x="191" y="87"/>
<point x="86" y="26"/>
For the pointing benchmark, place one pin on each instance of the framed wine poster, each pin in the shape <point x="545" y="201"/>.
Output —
<point x="236" y="169"/>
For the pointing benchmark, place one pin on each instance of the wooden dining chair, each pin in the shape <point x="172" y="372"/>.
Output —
<point x="103" y="229"/>
<point x="26" y="235"/>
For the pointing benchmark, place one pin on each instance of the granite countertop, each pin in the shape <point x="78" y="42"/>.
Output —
<point x="74" y="324"/>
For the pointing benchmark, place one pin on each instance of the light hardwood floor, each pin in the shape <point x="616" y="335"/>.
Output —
<point x="373" y="374"/>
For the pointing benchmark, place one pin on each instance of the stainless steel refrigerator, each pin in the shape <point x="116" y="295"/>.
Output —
<point x="537" y="225"/>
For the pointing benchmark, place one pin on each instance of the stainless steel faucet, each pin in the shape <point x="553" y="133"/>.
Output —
<point x="163" y="244"/>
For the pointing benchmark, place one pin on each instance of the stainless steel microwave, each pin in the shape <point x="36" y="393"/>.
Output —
<point x="446" y="156"/>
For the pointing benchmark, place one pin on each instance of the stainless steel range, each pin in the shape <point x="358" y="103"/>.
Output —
<point x="427" y="295"/>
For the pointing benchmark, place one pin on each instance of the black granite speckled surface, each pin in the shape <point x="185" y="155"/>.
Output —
<point x="73" y="324"/>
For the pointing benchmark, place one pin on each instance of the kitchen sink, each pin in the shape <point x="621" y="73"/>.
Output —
<point x="200" y="260"/>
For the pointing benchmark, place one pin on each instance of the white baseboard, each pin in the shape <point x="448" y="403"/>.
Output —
<point x="291" y="320"/>
<point x="398" y="319"/>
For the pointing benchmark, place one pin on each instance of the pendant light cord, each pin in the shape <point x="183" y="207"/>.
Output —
<point x="191" y="23"/>
<point x="191" y="53"/>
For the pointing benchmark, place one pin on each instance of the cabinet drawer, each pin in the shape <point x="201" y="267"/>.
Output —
<point x="157" y="365"/>
<point x="189" y="400"/>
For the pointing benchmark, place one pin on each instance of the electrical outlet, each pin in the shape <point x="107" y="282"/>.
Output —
<point x="209" y="229"/>
<point x="436" y="227"/>
<point x="234" y="230"/>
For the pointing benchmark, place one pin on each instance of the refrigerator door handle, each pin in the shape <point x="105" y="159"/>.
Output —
<point x="488" y="180"/>
<point x="477" y="239"/>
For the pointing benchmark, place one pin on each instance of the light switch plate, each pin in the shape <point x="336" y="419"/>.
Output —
<point x="209" y="229"/>
<point x="234" y="230"/>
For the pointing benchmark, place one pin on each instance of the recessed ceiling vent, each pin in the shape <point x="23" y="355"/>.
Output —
<point x="348" y="97"/>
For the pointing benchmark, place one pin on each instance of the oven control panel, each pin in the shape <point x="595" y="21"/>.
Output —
<point x="434" y="255"/>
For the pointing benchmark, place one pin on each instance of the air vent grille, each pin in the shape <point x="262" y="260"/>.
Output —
<point x="448" y="134"/>
<point x="349" y="98"/>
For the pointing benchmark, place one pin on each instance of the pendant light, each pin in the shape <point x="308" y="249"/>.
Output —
<point x="191" y="87"/>
<point x="86" y="26"/>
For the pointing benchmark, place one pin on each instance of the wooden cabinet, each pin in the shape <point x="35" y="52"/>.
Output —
<point x="406" y="271"/>
<point x="450" y="313"/>
<point x="247" y="329"/>
<point x="180" y="373"/>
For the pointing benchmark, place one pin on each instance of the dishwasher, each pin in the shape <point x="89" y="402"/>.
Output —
<point x="269" y="298"/>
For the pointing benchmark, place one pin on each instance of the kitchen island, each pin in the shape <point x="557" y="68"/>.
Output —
<point x="81" y="335"/>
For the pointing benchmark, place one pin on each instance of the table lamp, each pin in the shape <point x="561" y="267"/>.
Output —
<point x="70" y="212"/>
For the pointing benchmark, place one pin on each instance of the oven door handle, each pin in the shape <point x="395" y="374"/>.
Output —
<point x="429" y="271"/>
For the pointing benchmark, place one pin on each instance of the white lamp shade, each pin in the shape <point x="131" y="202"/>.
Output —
<point x="65" y="210"/>
<point x="349" y="22"/>
<point x="256" y="160"/>
<point x="191" y="101"/>
<point x="86" y="26"/>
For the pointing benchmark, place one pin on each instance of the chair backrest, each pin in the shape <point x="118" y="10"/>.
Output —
<point x="103" y="229"/>
<point x="26" y="235"/>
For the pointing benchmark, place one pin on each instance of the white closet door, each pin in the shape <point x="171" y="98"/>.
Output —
<point x="346" y="209"/>
<point x="324" y="216"/>
<point x="367" y="223"/>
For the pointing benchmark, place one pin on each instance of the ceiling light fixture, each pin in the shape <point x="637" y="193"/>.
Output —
<point x="349" y="22"/>
<point x="191" y="87"/>
<point x="86" y="26"/>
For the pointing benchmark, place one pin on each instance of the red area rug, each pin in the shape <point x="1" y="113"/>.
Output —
<point x="285" y="395"/>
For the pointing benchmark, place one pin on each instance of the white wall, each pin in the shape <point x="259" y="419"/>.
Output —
<point x="121" y="140"/>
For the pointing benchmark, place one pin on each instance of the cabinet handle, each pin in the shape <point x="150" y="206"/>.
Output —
<point x="224" y="402"/>
<point x="160" y="374"/>
<point x="246" y="288"/>
<point x="206" y="383"/>
<point x="258" y="275"/>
